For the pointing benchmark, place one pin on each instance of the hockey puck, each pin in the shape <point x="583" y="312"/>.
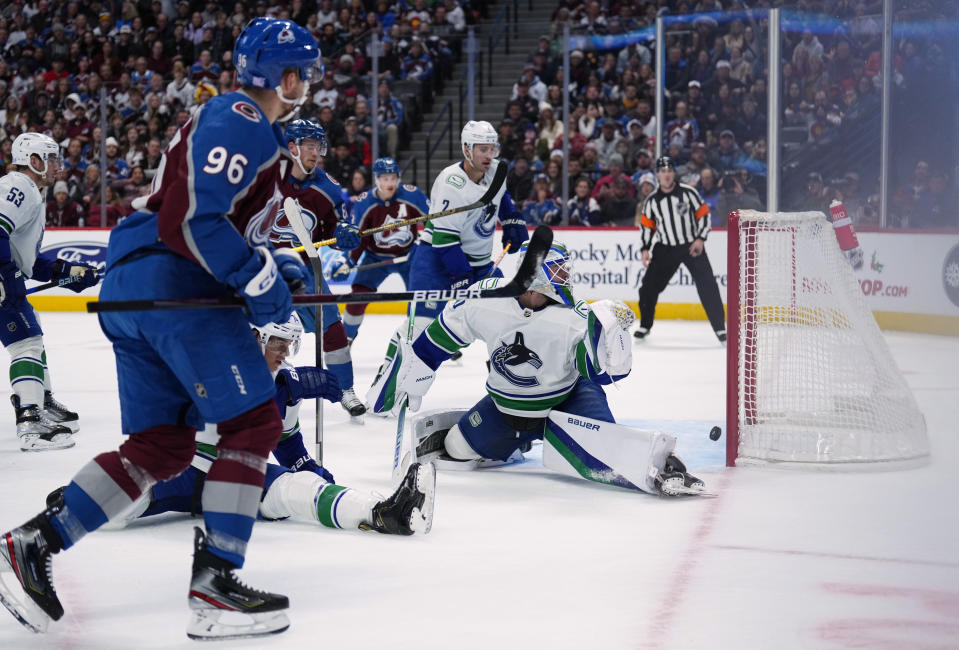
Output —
<point x="714" y="433"/>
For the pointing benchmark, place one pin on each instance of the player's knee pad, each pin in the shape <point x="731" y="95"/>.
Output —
<point x="292" y="494"/>
<point x="32" y="346"/>
<point x="334" y="337"/>
<point x="162" y="452"/>
<point x="250" y="437"/>
<point x="457" y="447"/>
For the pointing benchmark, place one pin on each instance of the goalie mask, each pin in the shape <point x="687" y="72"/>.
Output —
<point x="275" y="336"/>
<point x="554" y="276"/>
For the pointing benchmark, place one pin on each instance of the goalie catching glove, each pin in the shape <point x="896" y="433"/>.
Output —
<point x="606" y="352"/>
<point x="407" y="376"/>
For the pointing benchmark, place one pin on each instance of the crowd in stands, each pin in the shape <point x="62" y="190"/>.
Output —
<point x="159" y="60"/>
<point x="715" y="125"/>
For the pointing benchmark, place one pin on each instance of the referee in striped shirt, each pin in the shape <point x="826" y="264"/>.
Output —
<point x="677" y="214"/>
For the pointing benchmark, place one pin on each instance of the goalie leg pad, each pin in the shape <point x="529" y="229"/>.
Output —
<point x="605" y="452"/>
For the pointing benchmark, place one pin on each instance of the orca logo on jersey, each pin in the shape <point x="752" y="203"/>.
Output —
<point x="486" y="223"/>
<point x="90" y="253"/>
<point x="283" y="231"/>
<point x="515" y="354"/>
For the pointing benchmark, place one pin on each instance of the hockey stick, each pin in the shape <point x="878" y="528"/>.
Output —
<point x="499" y="259"/>
<point x="295" y="217"/>
<point x="499" y="177"/>
<point x="50" y="285"/>
<point x="539" y="244"/>
<point x="404" y="450"/>
<point x="374" y="265"/>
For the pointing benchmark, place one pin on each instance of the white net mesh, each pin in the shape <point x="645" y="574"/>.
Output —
<point x="817" y="383"/>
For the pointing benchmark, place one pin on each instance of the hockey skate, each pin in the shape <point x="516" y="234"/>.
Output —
<point x="223" y="607"/>
<point x="26" y="575"/>
<point x="352" y="404"/>
<point x="640" y="333"/>
<point x="675" y="481"/>
<point x="37" y="432"/>
<point x="58" y="413"/>
<point x="410" y="509"/>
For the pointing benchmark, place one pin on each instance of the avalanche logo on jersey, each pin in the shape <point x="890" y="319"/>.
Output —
<point x="515" y="354"/>
<point x="258" y="230"/>
<point x="486" y="223"/>
<point x="397" y="237"/>
<point x="283" y="231"/>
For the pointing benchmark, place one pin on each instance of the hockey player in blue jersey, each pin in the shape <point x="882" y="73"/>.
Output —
<point x="202" y="232"/>
<point x="321" y="205"/>
<point x="296" y="487"/>
<point x="42" y="422"/>
<point x="386" y="203"/>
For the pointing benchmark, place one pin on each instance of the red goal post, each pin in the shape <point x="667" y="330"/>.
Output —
<point x="810" y="378"/>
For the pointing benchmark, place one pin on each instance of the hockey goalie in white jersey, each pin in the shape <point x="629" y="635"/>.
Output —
<point x="549" y="356"/>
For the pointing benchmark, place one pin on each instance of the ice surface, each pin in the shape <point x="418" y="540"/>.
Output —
<point x="521" y="559"/>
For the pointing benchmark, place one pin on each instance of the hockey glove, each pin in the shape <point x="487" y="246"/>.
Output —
<point x="347" y="236"/>
<point x="514" y="233"/>
<point x="455" y="263"/>
<point x="79" y="276"/>
<point x="340" y="267"/>
<point x="298" y="277"/>
<point x="291" y="452"/>
<point x="415" y="379"/>
<point x="12" y="289"/>
<point x="311" y="466"/>
<point x="308" y="382"/>
<point x="268" y="300"/>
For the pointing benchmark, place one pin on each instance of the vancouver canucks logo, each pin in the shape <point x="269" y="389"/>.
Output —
<point x="513" y="354"/>
<point x="486" y="223"/>
<point x="283" y="231"/>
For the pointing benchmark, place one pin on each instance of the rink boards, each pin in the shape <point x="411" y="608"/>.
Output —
<point x="910" y="279"/>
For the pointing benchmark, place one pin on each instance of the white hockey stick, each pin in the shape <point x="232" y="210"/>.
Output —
<point x="295" y="217"/>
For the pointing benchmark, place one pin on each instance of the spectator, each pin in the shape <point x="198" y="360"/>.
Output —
<point x="519" y="181"/>
<point x="204" y="69"/>
<point x="62" y="211"/>
<point x="582" y="209"/>
<point x="117" y="167"/>
<point x="542" y="206"/>
<point x="390" y="119"/>
<point x="358" y="184"/>
<point x="508" y="140"/>
<point x="537" y="89"/>
<point x="818" y="195"/>
<point x="358" y="145"/>
<point x="80" y="127"/>
<point x="708" y="189"/>
<point x="417" y="65"/>
<point x="683" y="130"/>
<point x="529" y="107"/>
<point x="677" y="72"/>
<point x="689" y="172"/>
<point x="646" y="185"/>
<point x="548" y="128"/>
<point x="151" y="160"/>
<point x="180" y="91"/>
<point x="644" y="115"/>
<point x="179" y="48"/>
<point x="342" y="165"/>
<point x="134" y="152"/>
<point x="604" y="186"/>
<point x="618" y="209"/>
<point x="127" y="189"/>
<point x="733" y="196"/>
<point x="607" y="141"/>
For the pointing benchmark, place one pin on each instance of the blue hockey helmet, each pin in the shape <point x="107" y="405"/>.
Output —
<point x="267" y="47"/>
<point x="300" y="129"/>
<point x="385" y="166"/>
<point x="554" y="276"/>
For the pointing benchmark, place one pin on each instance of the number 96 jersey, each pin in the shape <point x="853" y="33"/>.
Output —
<point x="22" y="217"/>
<point x="223" y="164"/>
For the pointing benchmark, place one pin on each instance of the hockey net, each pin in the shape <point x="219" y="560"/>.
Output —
<point x="811" y="379"/>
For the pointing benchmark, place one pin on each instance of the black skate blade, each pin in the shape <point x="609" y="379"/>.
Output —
<point x="27" y="612"/>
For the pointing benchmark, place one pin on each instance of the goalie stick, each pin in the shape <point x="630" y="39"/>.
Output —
<point x="499" y="177"/>
<point x="295" y="218"/>
<point x="539" y="244"/>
